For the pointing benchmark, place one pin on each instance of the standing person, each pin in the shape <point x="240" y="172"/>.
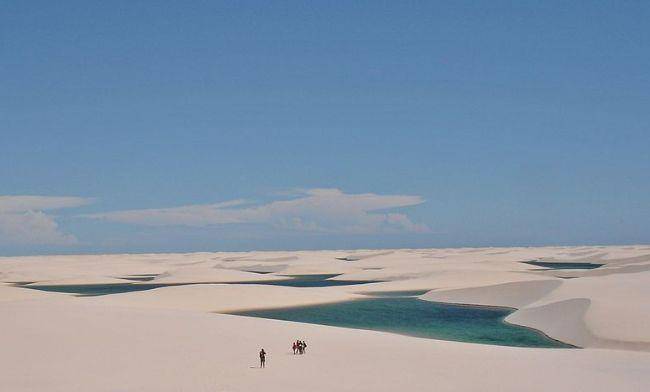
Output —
<point x="262" y="358"/>
<point x="295" y="346"/>
<point x="304" y="347"/>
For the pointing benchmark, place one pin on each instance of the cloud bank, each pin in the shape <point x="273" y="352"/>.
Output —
<point x="24" y="222"/>
<point x="313" y="210"/>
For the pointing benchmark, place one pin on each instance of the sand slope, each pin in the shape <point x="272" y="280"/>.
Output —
<point x="97" y="348"/>
<point x="170" y="339"/>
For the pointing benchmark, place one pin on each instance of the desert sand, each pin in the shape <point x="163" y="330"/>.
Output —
<point x="174" y="338"/>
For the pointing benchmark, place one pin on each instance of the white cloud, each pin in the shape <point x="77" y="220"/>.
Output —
<point x="39" y="203"/>
<point x="23" y="222"/>
<point x="313" y="210"/>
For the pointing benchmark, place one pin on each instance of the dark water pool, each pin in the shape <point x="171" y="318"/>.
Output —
<point x="87" y="290"/>
<point x="140" y="277"/>
<point x="319" y="280"/>
<point x="414" y="317"/>
<point x="399" y="293"/>
<point x="562" y="265"/>
<point x="115" y="288"/>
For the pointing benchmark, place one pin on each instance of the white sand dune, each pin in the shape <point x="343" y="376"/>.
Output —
<point x="615" y="313"/>
<point x="224" y="298"/>
<point x="513" y="294"/>
<point x="209" y="274"/>
<point x="171" y="339"/>
<point x="10" y="293"/>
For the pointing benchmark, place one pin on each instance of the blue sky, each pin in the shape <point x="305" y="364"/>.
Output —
<point x="124" y="125"/>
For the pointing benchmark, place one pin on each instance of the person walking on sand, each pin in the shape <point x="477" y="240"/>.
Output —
<point x="295" y="347"/>
<point x="304" y="347"/>
<point x="262" y="358"/>
<point x="299" y="344"/>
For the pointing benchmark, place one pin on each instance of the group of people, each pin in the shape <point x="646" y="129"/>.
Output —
<point x="299" y="347"/>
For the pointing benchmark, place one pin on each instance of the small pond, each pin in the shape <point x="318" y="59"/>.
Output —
<point x="558" y="265"/>
<point x="321" y="280"/>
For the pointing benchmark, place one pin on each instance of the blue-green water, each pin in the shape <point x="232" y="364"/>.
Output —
<point x="114" y="288"/>
<point x="399" y="293"/>
<point x="88" y="290"/>
<point x="141" y="277"/>
<point x="319" y="280"/>
<point x="561" y="265"/>
<point x="414" y="317"/>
